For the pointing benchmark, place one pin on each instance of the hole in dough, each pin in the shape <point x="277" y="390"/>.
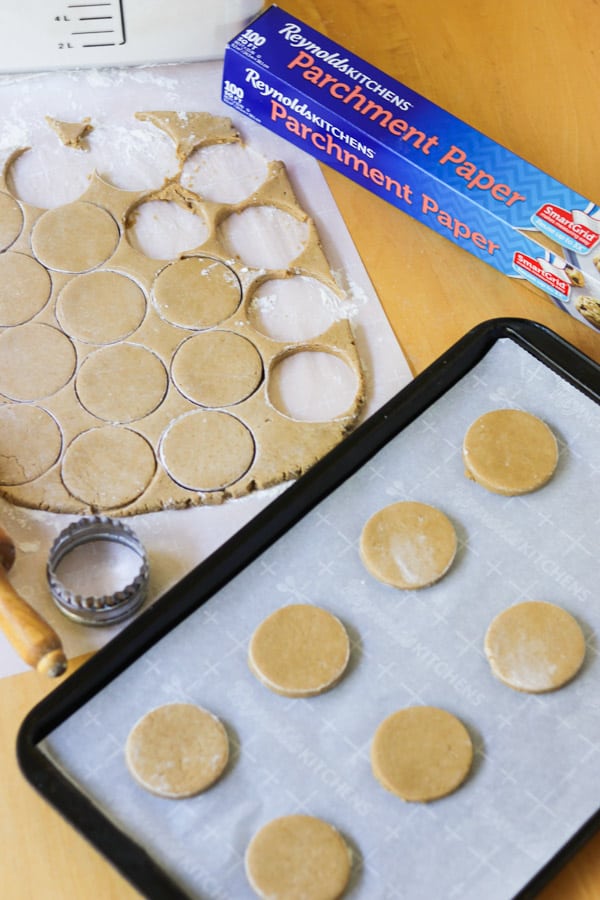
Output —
<point x="122" y="383"/>
<point x="312" y="386"/>
<point x="264" y="237"/>
<point x="161" y="229"/>
<point x="37" y="360"/>
<point x="75" y="238"/>
<point x="133" y="158"/>
<point x="217" y="368"/>
<point x="49" y="176"/>
<point x="24" y="288"/>
<point x="108" y="467"/>
<point x="206" y="451"/>
<point x="101" y="307"/>
<point x="30" y="443"/>
<point x="293" y="309"/>
<point x="197" y="292"/>
<point x="11" y="220"/>
<point x="224" y="173"/>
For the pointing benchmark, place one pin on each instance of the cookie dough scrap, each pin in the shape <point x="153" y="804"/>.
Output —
<point x="72" y="134"/>
<point x="298" y="857"/>
<point x="421" y="753"/>
<point x="510" y="452"/>
<point x="299" y="651"/>
<point x="177" y="750"/>
<point x="408" y="545"/>
<point x="535" y="646"/>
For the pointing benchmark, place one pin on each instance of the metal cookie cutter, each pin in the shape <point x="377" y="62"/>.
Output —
<point x="108" y="608"/>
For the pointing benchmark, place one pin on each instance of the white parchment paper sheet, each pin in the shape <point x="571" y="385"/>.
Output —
<point x="534" y="779"/>
<point x="137" y="156"/>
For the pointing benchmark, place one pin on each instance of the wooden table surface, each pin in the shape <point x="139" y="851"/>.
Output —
<point x="525" y="74"/>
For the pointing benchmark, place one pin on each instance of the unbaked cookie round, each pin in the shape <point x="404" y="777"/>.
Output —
<point x="421" y="753"/>
<point x="535" y="646"/>
<point x="101" y="307"/>
<point x="30" y="442"/>
<point x="11" y="220"/>
<point x="122" y="382"/>
<point x="298" y="857"/>
<point x="408" y="545"/>
<point x="510" y="452"/>
<point x="207" y="450"/>
<point x="25" y="288"/>
<point x="177" y="750"/>
<point x="76" y="237"/>
<point x="217" y="368"/>
<point x="108" y="467"/>
<point x="37" y="360"/>
<point x="197" y="292"/>
<point x="299" y="650"/>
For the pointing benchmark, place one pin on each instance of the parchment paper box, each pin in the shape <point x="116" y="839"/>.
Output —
<point x="431" y="165"/>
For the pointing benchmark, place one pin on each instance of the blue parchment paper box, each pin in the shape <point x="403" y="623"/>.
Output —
<point x="431" y="165"/>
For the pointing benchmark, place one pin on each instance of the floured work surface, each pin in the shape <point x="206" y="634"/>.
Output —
<point x="134" y="155"/>
<point x="132" y="384"/>
<point x="533" y="782"/>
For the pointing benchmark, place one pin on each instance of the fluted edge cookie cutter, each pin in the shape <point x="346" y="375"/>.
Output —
<point x="106" y="609"/>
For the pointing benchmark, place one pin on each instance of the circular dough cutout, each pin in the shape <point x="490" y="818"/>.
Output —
<point x="122" y="383"/>
<point x="75" y="238"/>
<point x="217" y="368"/>
<point x="11" y="220"/>
<point x="510" y="452"/>
<point x="30" y="443"/>
<point x="161" y="229"/>
<point x="293" y="309"/>
<point x="298" y="857"/>
<point x="177" y="750"/>
<point x="101" y="307"/>
<point x="264" y="237"/>
<point x="108" y="467"/>
<point x="299" y="651"/>
<point x="408" y="545"/>
<point x="224" y="173"/>
<point x="25" y="288"/>
<point x="312" y="386"/>
<point x="535" y="646"/>
<point x="37" y="360"/>
<point x="197" y="292"/>
<point x="421" y="753"/>
<point x="207" y="450"/>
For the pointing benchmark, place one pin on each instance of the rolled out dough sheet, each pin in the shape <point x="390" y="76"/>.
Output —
<point x="134" y="155"/>
<point x="177" y="409"/>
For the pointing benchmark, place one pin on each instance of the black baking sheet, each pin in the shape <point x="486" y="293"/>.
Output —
<point x="526" y="805"/>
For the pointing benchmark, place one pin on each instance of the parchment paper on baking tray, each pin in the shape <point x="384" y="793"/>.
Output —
<point x="534" y="780"/>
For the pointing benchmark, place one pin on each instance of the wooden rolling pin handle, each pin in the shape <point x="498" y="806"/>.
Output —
<point x="31" y="636"/>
